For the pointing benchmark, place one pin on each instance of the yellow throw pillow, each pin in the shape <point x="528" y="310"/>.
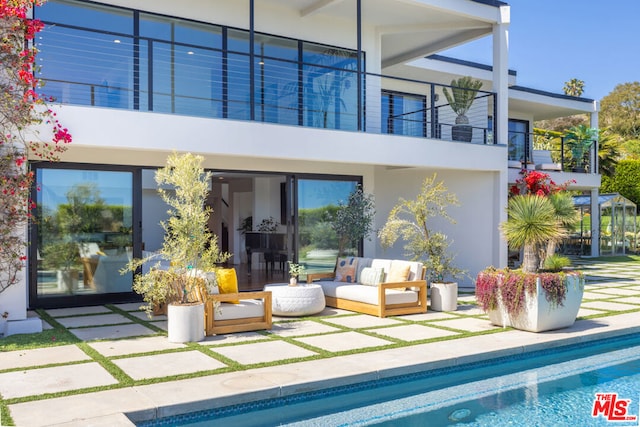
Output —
<point x="228" y="282"/>
<point x="398" y="273"/>
<point x="346" y="270"/>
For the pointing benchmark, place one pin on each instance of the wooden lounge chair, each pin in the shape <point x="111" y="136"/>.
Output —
<point x="232" y="312"/>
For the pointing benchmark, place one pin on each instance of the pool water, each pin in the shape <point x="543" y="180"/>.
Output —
<point x="555" y="387"/>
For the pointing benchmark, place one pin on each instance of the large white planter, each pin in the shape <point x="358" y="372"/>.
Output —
<point x="444" y="296"/>
<point x="185" y="322"/>
<point x="538" y="315"/>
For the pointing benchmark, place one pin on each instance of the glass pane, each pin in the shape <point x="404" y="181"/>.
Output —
<point x="84" y="231"/>
<point x="176" y="30"/>
<point x="86" y="68"/>
<point x="239" y="87"/>
<point x="318" y="201"/>
<point x="276" y="91"/>
<point x="518" y="140"/>
<point x="330" y="98"/>
<point x="82" y="14"/>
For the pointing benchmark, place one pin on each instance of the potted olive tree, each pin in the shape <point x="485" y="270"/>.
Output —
<point x="188" y="244"/>
<point x="410" y="221"/>
<point x="463" y="93"/>
<point x="532" y="298"/>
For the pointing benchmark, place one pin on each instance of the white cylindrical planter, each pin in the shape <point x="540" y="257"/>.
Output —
<point x="185" y="322"/>
<point x="444" y="296"/>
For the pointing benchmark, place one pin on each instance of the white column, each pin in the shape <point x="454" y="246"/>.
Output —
<point x="501" y="76"/>
<point x="595" y="193"/>
<point x="501" y="126"/>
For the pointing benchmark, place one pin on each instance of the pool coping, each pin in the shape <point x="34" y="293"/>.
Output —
<point x="124" y="407"/>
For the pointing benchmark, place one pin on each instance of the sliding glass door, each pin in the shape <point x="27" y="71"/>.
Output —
<point x="83" y="232"/>
<point x="317" y="202"/>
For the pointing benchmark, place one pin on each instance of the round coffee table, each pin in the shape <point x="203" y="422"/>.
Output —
<point x="301" y="300"/>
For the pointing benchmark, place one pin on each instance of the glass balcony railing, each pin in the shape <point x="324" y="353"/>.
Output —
<point x="552" y="153"/>
<point x="182" y="67"/>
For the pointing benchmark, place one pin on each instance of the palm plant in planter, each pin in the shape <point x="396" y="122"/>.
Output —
<point x="514" y="297"/>
<point x="463" y="93"/>
<point x="188" y="244"/>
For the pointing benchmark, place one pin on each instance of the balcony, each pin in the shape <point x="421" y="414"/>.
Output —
<point x="553" y="153"/>
<point x="279" y="80"/>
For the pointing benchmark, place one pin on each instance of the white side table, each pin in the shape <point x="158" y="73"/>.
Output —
<point x="301" y="300"/>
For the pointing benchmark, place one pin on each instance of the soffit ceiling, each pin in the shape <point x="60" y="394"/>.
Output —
<point x="409" y="29"/>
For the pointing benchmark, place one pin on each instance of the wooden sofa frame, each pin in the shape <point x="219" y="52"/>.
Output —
<point x="382" y="309"/>
<point x="244" y="324"/>
<point x="212" y="326"/>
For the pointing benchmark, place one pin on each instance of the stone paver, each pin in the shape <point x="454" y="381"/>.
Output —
<point x="111" y="332"/>
<point x="129" y="306"/>
<point x="33" y="382"/>
<point x="167" y="364"/>
<point x="344" y="341"/>
<point x="226" y="339"/>
<point x="583" y="312"/>
<point x="263" y="352"/>
<point x="608" y="305"/>
<point x="134" y="346"/>
<point x="73" y="311"/>
<point x="468" y="310"/>
<point x="413" y="332"/>
<point x="632" y="300"/>
<point x="304" y="327"/>
<point x="41" y="357"/>
<point x="470" y="324"/>
<point x="142" y="315"/>
<point x="97" y="320"/>
<point x="617" y="291"/>
<point x="362" y="321"/>
<point x="429" y="315"/>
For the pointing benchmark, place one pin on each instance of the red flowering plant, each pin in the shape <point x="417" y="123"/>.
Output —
<point x="21" y="110"/>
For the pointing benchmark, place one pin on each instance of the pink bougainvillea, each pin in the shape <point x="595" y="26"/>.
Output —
<point x="21" y="109"/>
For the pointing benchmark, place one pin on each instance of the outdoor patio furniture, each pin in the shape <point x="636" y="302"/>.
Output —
<point x="301" y="300"/>
<point x="543" y="161"/>
<point x="396" y="294"/>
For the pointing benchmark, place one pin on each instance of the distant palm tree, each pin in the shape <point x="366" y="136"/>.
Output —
<point x="574" y="87"/>
<point x="608" y="151"/>
<point x="531" y="222"/>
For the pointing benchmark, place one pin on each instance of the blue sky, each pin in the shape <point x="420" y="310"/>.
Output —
<point x="553" y="41"/>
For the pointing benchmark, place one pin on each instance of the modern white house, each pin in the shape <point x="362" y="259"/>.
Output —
<point x="292" y="103"/>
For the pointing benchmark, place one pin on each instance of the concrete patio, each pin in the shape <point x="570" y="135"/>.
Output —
<point x="123" y="363"/>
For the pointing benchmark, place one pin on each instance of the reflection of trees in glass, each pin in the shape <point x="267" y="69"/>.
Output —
<point x="328" y="76"/>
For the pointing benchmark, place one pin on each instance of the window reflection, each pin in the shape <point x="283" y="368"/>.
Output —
<point x="318" y="201"/>
<point x="84" y="225"/>
<point x="180" y="66"/>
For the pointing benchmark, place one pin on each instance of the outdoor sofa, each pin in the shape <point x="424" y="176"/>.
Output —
<point x="379" y="287"/>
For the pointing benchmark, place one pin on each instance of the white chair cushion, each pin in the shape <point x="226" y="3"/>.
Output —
<point x="366" y="294"/>
<point x="246" y="308"/>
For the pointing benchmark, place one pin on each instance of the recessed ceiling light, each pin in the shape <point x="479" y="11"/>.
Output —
<point x="190" y="53"/>
<point x="116" y="41"/>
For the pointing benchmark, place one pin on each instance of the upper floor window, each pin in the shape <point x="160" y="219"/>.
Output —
<point x="112" y="57"/>
<point x="403" y="114"/>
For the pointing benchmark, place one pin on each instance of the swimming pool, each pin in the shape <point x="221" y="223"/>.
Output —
<point x="552" y="387"/>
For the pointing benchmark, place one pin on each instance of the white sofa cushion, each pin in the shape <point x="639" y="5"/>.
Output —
<point x="366" y="294"/>
<point x="246" y="308"/>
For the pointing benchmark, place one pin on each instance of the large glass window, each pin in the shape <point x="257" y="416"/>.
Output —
<point x="519" y="141"/>
<point x="317" y="203"/>
<point x="84" y="231"/>
<point x="330" y="87"/>
<point x="403" y="114"/>
<point x="179" y="66"/>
